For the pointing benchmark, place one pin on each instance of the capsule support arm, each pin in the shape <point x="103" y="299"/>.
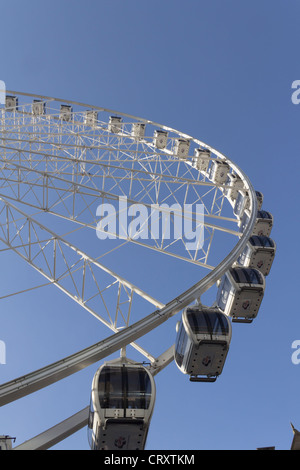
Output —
<point x="162" y="361"/>
<point x="57" y="433"/>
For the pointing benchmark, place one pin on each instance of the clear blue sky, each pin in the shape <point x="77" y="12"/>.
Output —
<point x="220" y="71"/>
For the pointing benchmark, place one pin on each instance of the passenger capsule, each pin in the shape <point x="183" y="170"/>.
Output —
<point x="201" y="159"/>
<point x="11" y="103"/>
<point x="115" y="124"/>
<point x="260" y="199"/>
<point x="234" y="184"/>
<point x="91" y="118"/>
<point x="122" y="402"/>
<point x="218" y="171"/>
<point x="263" y="224"/>
<point x="6" y="442"/>
<point x="66" y="112"/>
<point x="259" y="253"/>
<point x="203" y="338"/>
<point x="240" y="293"/>
<point x="38" y="108"/>
<point x="138" y="130"/>
<point x="181" y="148"/>
<point x="242" y="202"/>
<point x="160" y="139"/>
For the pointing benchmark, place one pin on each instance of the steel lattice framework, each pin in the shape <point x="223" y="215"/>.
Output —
<point x="59" y="161"/>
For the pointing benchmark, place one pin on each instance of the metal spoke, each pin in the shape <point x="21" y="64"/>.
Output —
<point x="68" y="262"/>
<point x="61" y="169"/>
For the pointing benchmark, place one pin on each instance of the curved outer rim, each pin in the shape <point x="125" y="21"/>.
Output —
<point x="36" y="380"/>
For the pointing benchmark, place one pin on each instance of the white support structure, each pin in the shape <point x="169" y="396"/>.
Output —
<point x="162" y="361"/>
<point x="16" y="227"/>
<point x="59" y="159"/>
<point x="57" y="433"/>
<point x="50" y="374"/>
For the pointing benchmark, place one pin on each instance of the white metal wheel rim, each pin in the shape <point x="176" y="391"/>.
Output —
<point x="50" y="374"/>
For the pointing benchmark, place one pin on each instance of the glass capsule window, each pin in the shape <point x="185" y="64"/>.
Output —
<point x="124" y="387"/>
<point x="223" y="292"/>
<point x="256" y="240"/>
<point x="246" y="276"/>
<point x="264" y="215"/>
<point x="207" y="322"/>
<point x="181" y="344"/>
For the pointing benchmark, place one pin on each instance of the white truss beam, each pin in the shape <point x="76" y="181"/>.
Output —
<point x="52" y="165"/>
<point x="57" y="433"/>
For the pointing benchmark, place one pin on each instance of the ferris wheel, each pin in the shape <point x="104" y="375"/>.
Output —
<point x="138" y="187"/>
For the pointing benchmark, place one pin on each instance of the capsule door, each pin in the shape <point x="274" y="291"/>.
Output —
<point x="123" y="399"/>
<point x="234" y="184"/>
<point x="262" y="259"/>
<point x="209" y="333"/>
<point x="240" y="294"/>
<point x="241" y="203"/>
<point x="115" y="124"/>
<point x="263" y="224"/>
<point x="207" y="361"/>
<point x="201" y="159"/>
<point x="249" y="285"/>
<point x="259" y="253"/>
<point x="218" y="171"/>
<point x="181" y="148"/>
<point x="160" y="139"/>
<point x="246" y="305"/>
<point x="123" y="435"/>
